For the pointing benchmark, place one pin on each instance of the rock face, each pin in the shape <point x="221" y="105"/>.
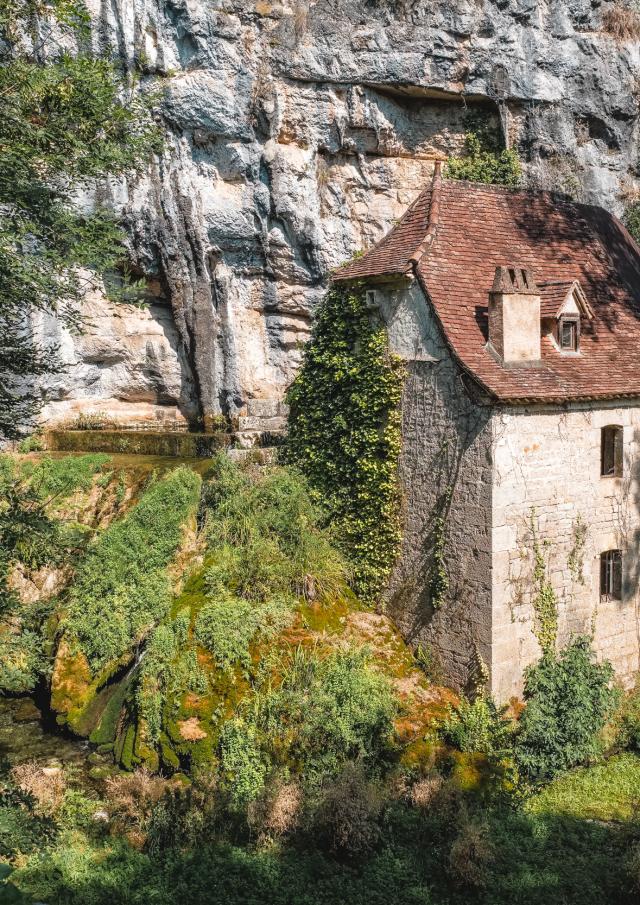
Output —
<point x="297" y="131"/>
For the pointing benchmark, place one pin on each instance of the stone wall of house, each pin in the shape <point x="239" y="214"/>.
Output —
<point x="445" y="471"/>
<point x="547" y="469"/>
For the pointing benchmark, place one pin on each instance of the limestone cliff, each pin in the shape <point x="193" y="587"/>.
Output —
<point x="297" y="131"/>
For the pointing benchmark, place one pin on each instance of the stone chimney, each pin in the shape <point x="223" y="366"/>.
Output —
<point x="514" y="316"/>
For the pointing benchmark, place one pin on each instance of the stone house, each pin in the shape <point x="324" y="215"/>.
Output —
<point x="518" y="317"/>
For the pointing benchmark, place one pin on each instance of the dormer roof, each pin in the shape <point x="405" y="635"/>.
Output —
<point x="454" y="236"/>
<point x="559" y="296"/>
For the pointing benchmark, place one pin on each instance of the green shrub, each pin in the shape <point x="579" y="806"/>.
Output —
<point x="32" y="443"/>
<point x="122" y="587"/>
<point x="628" y="720"/>
<point x="344" y="433"/>
<point x="60" y="478"/>
<point x="478" y="727"/>
<point x="22" y="829"/>
<point x="484" y="160"/>
<point x="22" y="660"/>
<point x="335" y="710"/>
<point x="631" y="219"/>
<point x="569" y="699"/>
<point x="243" y="761"/>
<point x="226" y="628"/>
<point x="265" y="536"/>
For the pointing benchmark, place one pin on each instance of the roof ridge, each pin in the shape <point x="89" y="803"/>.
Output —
<point x="434" y="214"/>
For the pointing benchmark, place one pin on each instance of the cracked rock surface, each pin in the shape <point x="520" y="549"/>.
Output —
<point x="296" y="133"/>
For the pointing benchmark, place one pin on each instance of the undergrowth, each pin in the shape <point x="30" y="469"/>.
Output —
<point x="266" y="557"/>
<point x="122" y="587"/>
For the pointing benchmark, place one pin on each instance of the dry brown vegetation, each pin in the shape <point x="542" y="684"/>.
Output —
<point x="622" y="22"/>
<point x="47" y="785"/>
<point x="130" y="799"/>
<point x="277" y="812"/>
<point x="471" y="854"/>
<point x="349" y="814"/>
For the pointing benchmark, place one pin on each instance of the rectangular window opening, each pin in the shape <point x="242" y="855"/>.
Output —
<point x="568" y="335"/>
<point x="611" y="451"/>
<point x="611" y="575"/>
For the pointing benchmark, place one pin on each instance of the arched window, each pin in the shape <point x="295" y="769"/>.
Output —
<point x="611" y="451"/>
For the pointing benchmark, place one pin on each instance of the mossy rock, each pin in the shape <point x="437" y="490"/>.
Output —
<point x="70" y="682"/>
<point x="169" y="757"/>
<point x="105" y="731"/>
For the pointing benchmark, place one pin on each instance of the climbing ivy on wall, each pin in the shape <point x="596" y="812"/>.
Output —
<point x="344" y="433"/>
<point x="545" y="602"/>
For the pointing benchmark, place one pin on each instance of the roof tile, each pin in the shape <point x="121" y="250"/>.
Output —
<point x="480" y="227"/>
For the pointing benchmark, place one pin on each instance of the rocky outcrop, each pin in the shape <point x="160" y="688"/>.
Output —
<point x="297" y="131"/>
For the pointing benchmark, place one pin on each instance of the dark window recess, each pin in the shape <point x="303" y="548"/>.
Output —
<point x="611" y="452"/>
<point x="611" y="575"/>
<point x="568" y="335"/>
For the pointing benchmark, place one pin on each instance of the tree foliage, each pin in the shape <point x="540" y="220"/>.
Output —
<point x="66" y="120"/>
<point x="344" y="433"/>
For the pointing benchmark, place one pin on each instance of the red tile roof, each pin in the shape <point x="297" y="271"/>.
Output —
<point x="553" y="296"/>
<point x="479" y="227"/>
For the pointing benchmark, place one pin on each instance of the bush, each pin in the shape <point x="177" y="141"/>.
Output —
<point x="335" y="710"/>
<point x="276" y="812"/>
<point x="59" y="478"/>
<point x="130" y="801"/>
<point x="226" y="628"/>
<point x="122" y="587"/>
<point x="347" y="818"/>
<point x="47" y="786"/>
<point x="480" y="165"/>
<point x="471" y="854"/>
<point x="266" y="538"/>
<point x="631" y="219"/>
<point x="628" y="721"/>
<point x="622" y="22"/>
<point x="478" y="727"/>
<point x="569" y="699"/>
<point x="32" y="443"/>
<point x="23" y="826"/>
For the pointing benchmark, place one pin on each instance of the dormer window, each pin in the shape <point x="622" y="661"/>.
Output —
<point x="563" y="306"/>
<point x="569" y="334"/>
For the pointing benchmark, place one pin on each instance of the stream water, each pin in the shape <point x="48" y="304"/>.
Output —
<point x="25" y="737"/>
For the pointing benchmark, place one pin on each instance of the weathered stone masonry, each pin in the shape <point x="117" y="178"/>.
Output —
<point x="547" y="461"/>
<point x="445" y="470"/>
<point x="504" y="467"/>
<point x="503" y="417"/>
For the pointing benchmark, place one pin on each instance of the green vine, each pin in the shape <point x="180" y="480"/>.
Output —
<point x="575" y="559"/>
<point x="344" y="433"/>
<point x="545" y="602"/>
